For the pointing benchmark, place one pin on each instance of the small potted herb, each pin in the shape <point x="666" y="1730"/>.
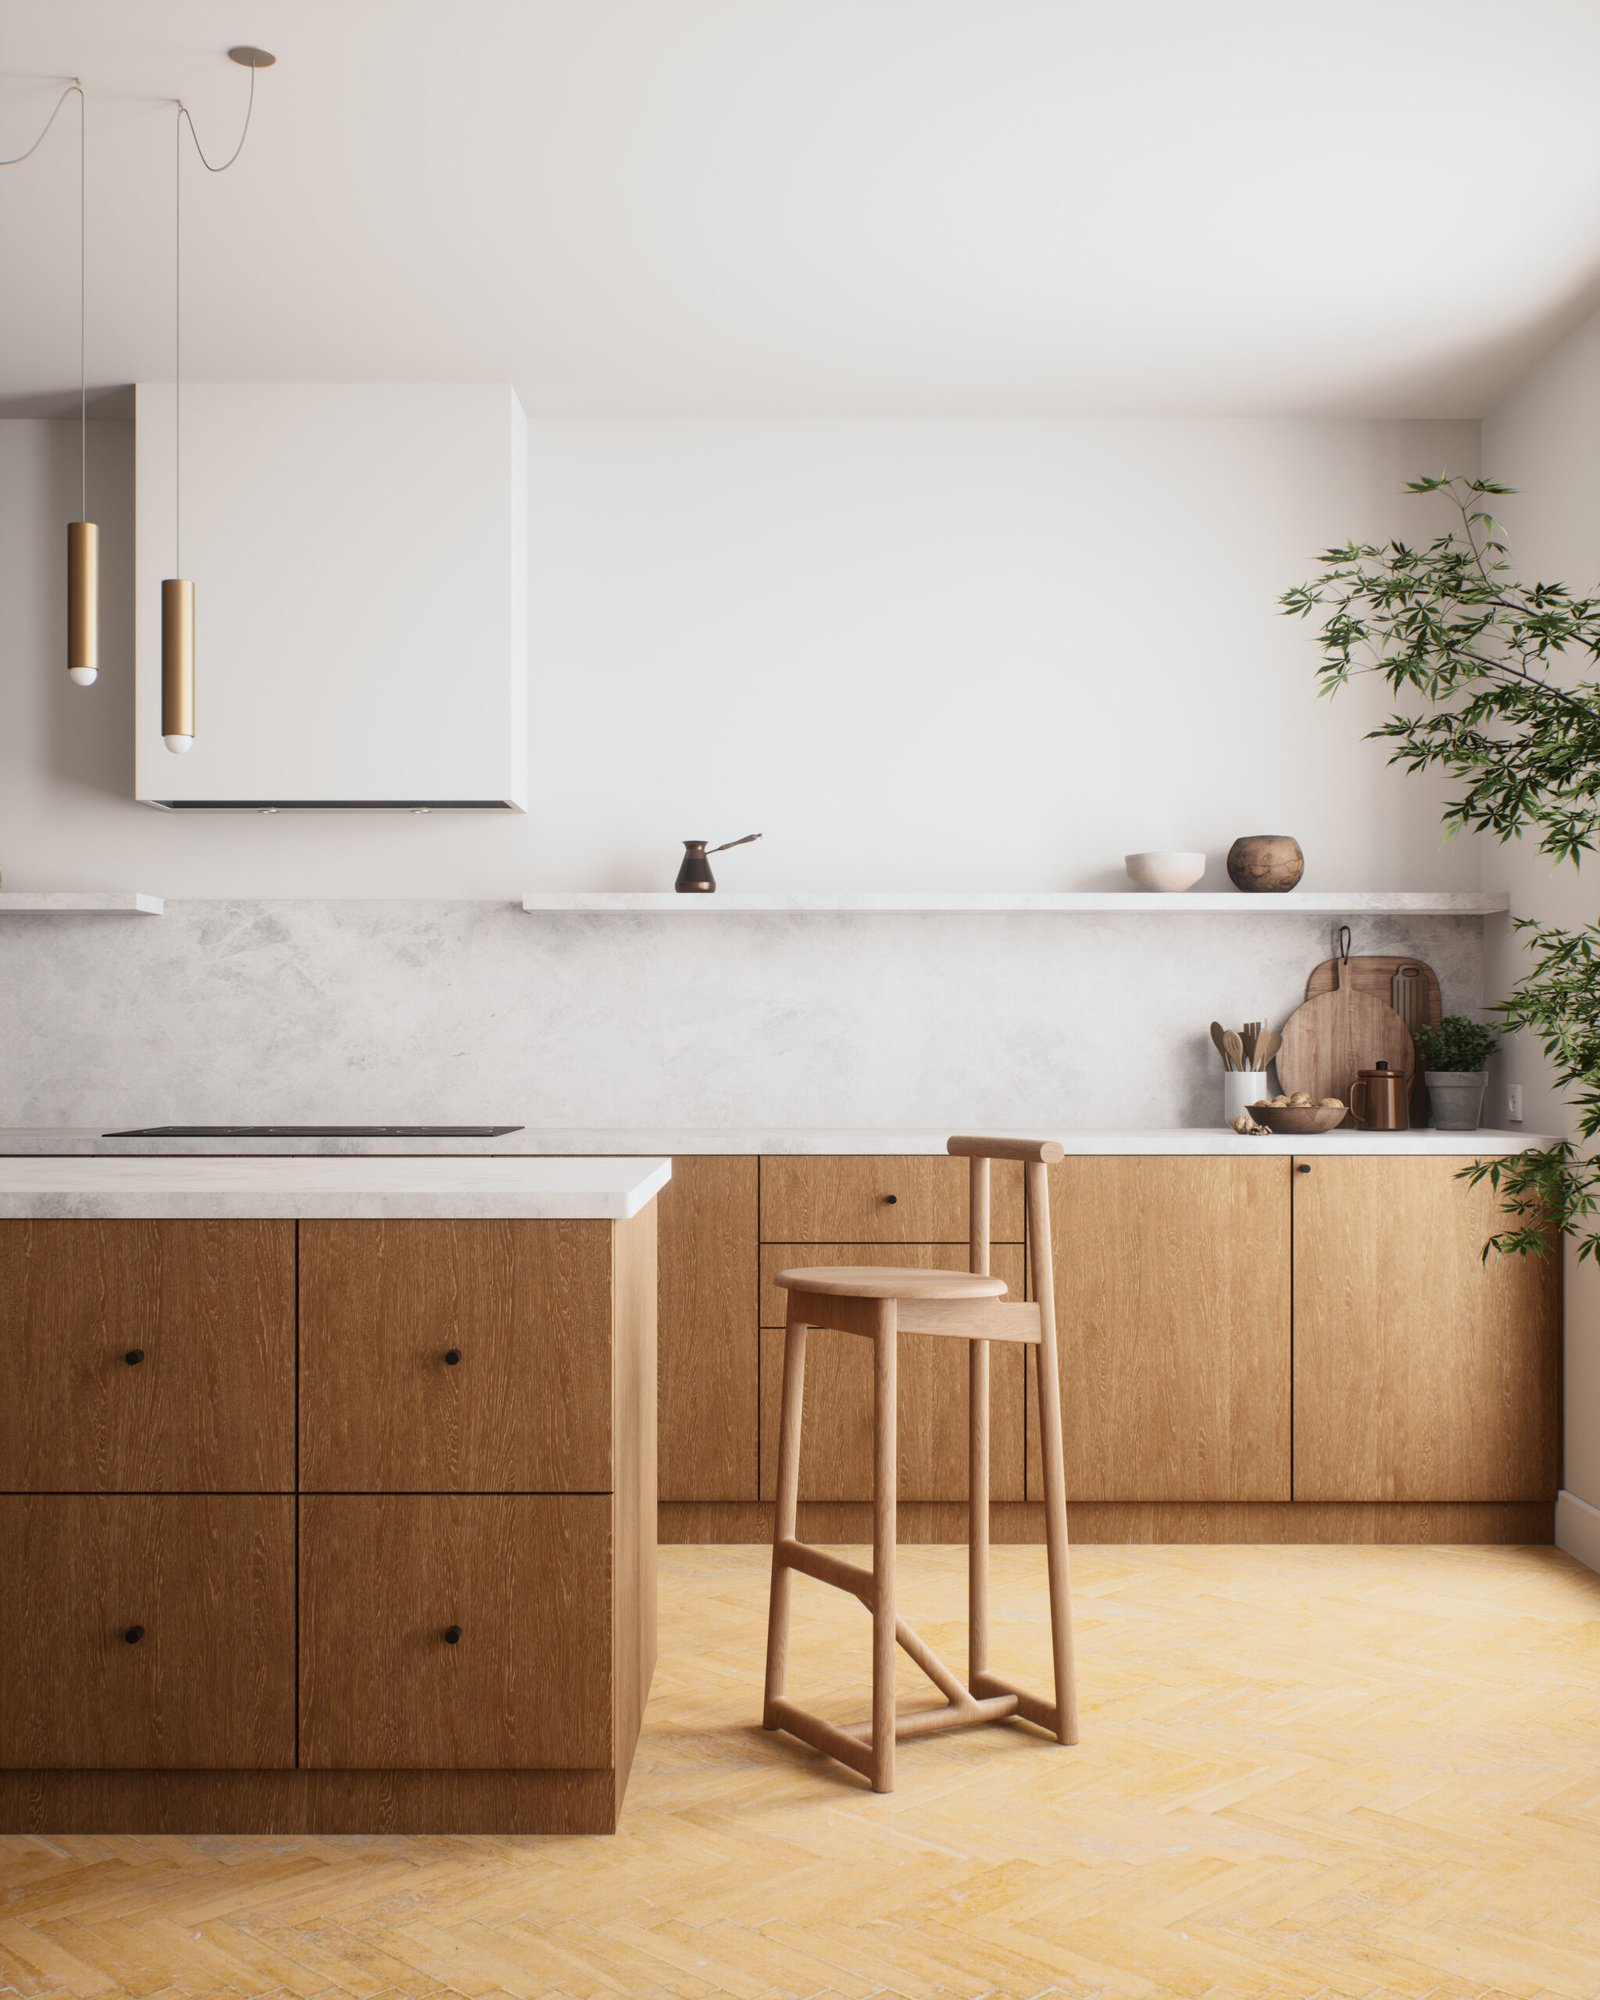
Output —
<point x="1453" y="1057"/>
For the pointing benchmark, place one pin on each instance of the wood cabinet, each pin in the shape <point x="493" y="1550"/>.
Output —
<point x="916" y="1198"/>
<point x="147" y="1357"/>
<point x="458" y="1632"/>
<point x="465" y="1356"/>
<point x="710" y="1361"/>
<point x="1421" y="1371"/>
<point x="1234" y="1335"/>
<point x="1173" y="1317"/>
<point x="448" y="1625"/>
<point x="836" y="1425"/>
<point x="143" y="1631"/>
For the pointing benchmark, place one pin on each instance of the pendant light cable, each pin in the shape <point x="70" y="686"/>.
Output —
<point x="177" y="337"/>
<point x="211" y="167"/>
<point x="75" y="89"/>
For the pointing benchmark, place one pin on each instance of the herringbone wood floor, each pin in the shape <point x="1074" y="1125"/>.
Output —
<point x="1321" y="1771"/>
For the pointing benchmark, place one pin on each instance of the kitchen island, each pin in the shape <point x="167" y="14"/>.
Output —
<point x="327" y="1492"/>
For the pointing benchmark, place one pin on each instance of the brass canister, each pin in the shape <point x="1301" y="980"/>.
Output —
<point x="1379" y="1100"/>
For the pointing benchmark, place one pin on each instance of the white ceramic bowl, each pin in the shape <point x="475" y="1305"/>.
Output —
<point x="1168" y="872"/>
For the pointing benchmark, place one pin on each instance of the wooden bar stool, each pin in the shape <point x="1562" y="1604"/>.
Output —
<point x="878" y="1303"/>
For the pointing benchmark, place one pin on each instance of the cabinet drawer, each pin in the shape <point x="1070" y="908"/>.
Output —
<point x="836" y="1424"/>
<point x="909" y="1198"/>
<point x="147" y="1356"/>
<point x="208" y="1584"/>
<point x="525" y="1583"/>
<point x="525" y="1310"/>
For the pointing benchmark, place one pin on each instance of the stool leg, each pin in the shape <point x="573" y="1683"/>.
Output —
<point x="977" y="1509"/>
<point x="785" y="1513"/>
<point x="1052" y="1455"/>
<point x="884" y="1468"/>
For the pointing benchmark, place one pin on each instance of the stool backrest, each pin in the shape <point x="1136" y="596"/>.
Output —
<point x="1036" y="1155"/>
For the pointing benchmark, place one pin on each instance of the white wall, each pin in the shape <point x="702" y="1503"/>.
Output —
<point x="912" y="654"/>
<point x="1544" y="439"/>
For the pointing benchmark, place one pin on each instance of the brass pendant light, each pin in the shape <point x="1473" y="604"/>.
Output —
<point x="83" y="536"/>
<point x="177" y="591"/>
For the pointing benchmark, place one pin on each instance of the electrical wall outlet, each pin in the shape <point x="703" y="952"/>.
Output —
<point x="1514" y="1105"/>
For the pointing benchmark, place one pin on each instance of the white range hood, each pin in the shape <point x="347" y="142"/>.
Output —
<point x="359" y="556"/>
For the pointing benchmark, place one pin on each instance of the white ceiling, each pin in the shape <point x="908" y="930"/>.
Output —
<point x="833" y="207"/>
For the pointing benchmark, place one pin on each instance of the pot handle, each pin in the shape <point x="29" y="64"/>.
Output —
<point x="1356" y="1089"/>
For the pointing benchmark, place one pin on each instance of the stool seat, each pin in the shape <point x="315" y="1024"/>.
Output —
<point x="889" y="1281"/>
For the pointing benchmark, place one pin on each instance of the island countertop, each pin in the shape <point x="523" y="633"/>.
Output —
<point x="535" y="1142"/>
<point x="542" y="1189"/>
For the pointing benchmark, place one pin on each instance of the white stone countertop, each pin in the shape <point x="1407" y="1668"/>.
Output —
<point x="533" y="1190"/>
<point x="596" y="1141"/>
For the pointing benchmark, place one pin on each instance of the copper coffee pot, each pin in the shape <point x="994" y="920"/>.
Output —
<point x="695" y="876"/>
<point x="1380" y="1100"/>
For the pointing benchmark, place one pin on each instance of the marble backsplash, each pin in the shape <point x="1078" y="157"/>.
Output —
<point x="467" y="1012"/>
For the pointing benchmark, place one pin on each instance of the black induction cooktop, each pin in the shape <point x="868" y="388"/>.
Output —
<point x="314" y="1132"/>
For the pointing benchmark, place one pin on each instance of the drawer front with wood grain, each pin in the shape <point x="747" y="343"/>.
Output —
<point x="708" y="1361"/>
<point x="455" y="1632"/>
<point x="146" y="1632"/>
<point x="147" y="1357"/>
<point x="906" y="1198"/>
<point x="1421" y="1370"/>
<point x="1173" y="1328"/>
<point x="455" y="1355"/>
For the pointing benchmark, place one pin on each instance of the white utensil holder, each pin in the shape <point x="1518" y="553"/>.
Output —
<point x="1240" y="1089"/>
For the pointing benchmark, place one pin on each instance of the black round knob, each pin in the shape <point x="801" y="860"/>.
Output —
<point x="1302" y="1168"/>
<point x="134" y="1634"/>
<point x="452" y="1357"/>
<point x="134" y="1356"/>
<point x="890" y="1200"/>
<point x="452" y="1635"/>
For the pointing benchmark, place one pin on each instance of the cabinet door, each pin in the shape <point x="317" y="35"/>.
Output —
<point x="1420" y="1371"/>
<point x="525" y="1310"/>
<point x="524" y="1584"/>
<point x="147" y="1357"/>
<point x="836" y="1423"/>
<point x="908" y="1198"/>
<point x="1173" y="1327"/>
<point x="204" y="1588"/>
<point x="708" y="1353"/>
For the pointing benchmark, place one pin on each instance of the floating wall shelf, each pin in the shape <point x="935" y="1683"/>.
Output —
<point x="1320" y="902"/>
<point x="62" y="903"/>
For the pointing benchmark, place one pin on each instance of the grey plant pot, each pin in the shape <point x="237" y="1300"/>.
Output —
<point x="1455" y="1097"/>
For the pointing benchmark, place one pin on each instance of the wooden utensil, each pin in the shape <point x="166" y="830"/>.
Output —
<point x="1268" y="1043"/>
<point x="1234" y="1048"/>
<point x="1335" y="1034"/>
<point x="1219" y="1035"/>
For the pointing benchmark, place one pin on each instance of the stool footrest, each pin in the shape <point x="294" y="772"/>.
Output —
<point x="819" y="1735"/>
<point x="1028" y="1706"/>
<point x="935" y="1721"/>
<point x="827" y="1568"/>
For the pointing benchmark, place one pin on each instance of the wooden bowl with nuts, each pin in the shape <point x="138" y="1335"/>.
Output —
<point x="1299" y="1115"/>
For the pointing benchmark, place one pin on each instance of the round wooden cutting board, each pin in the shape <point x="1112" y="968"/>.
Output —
<point x="1327" y="1040"/>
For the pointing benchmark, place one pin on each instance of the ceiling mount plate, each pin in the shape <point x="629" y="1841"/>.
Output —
<point x="252" y="58"/>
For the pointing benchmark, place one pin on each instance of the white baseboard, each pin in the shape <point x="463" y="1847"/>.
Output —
<point x="1578" y="1528"/>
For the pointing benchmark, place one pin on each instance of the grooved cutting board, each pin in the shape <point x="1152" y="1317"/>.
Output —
<point x="1375" y="974"/>
<point x="1332" y="1036"/>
